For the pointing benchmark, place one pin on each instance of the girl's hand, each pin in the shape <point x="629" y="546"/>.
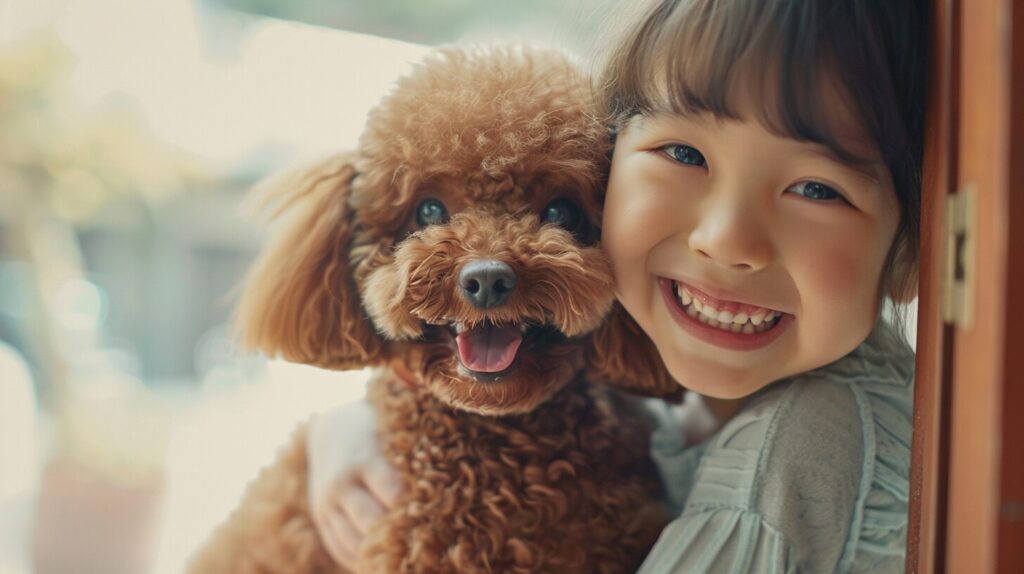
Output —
<point x="351" y="484"/>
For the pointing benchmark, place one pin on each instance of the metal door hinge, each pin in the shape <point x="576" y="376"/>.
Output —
<point x="959" y="272"/>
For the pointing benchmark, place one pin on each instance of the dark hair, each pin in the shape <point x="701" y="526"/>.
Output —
<point x="685" y="56"/>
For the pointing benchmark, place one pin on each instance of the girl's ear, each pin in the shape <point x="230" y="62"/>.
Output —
<point x="300" y="300"/>
<point x="902" y="287"/>
<point x="621" y="355"/>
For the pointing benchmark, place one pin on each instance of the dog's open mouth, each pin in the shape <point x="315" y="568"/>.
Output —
<point x="489" y="351"/>
<point x="488" y="348"/>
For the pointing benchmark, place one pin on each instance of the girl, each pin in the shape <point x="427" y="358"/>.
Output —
<point x="763" y="205"/>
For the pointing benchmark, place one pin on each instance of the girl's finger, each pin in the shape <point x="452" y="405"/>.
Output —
<point x="339" y="538"/>
<point x="360" y="506"/>
<point x="384" y="482"/>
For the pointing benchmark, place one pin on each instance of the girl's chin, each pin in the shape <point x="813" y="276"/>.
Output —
<point x="718" y="381"/>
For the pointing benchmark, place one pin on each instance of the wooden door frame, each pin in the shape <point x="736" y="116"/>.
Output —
<point x="982" y="351"/>
<point x="967" y="478"/>
<point x="930" y="452"/>
<point x="1010" y="538"/>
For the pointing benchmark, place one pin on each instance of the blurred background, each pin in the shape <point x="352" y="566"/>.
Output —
<point x="130" y="131"/>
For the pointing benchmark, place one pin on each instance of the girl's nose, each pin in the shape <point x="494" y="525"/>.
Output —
<point x="732" y="234"/>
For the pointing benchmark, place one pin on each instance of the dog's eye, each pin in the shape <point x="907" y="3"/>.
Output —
<point x="431" y="212"/>
<point x="565" y="214"/>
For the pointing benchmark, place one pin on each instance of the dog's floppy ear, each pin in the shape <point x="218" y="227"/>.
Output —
<point x="621" y="355"/>
<point x="300" y="300"/>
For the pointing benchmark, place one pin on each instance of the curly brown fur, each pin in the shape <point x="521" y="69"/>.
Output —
<point x="563" y="488"/>
<point x="517" y="464"/>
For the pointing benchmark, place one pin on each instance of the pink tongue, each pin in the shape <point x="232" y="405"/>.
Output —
<point x="488" y="349"/>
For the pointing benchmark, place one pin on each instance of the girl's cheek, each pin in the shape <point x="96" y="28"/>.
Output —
<point x="644" y="196"/>
<point x="623" y="210"/>
<point x="845" y="276"/>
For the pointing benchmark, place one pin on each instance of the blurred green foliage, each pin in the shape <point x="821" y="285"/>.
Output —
<point x="66" y="159"/>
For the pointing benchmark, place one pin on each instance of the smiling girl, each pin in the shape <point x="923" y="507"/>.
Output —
<point x="762" y="208"/>
<point x="763" y="204"/>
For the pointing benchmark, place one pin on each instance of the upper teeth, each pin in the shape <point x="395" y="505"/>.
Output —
<point x="462" y="328"/>
<point x="724" y="317"/>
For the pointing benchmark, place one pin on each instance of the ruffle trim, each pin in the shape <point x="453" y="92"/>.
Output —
<point x="720" y="540"/>
<point x="884" y="392"/>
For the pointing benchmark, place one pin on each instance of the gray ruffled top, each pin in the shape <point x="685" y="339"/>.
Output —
<point x="811" y="476"/>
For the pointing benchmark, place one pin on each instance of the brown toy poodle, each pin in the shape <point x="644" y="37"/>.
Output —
<point x="457" y="249"/>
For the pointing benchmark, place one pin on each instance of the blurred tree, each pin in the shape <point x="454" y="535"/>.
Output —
<point x="60" y="167"/>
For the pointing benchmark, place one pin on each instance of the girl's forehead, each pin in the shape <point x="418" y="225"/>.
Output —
<point x="806" y="98"/>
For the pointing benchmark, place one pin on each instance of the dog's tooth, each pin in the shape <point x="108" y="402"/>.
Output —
<point x="698" y="305"/>
<point x="522" y="328"/>
<point x="460" y="327"/>
<point x="757" y="318"/>
<point x="686" y="297"/>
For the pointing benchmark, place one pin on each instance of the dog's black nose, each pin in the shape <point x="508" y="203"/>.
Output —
<point x="487" y="283"/>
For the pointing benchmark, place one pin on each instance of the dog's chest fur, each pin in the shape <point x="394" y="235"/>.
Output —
<point x="566" y="488"/>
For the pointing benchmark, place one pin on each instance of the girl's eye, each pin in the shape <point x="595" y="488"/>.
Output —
<point x="431" y="212"/>
<point x="685" y="154"/>
<point x="565" y="214"/>
<point x="816" y="191"/>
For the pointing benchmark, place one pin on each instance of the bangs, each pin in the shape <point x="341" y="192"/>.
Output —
<point x="791" y="58"/>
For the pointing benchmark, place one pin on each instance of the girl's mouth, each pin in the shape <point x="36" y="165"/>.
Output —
<point x="726" y="324"/>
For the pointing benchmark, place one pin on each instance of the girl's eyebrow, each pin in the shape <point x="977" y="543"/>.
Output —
<point x="641" y="122"/>
<point x="866" y="170"/>
<point x="645" y="122"/>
